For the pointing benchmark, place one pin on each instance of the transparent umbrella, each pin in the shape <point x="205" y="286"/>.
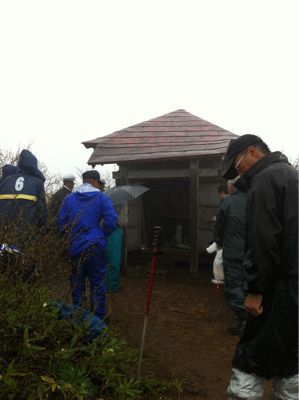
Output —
<point x="121" y="194"/>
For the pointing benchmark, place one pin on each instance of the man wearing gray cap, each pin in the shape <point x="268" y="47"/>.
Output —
<point x="68" y="182"/>
<point x="102" y="184"/>
<point x="269" y="345"/>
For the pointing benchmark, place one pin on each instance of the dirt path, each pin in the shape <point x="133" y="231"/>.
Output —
<point x="187" y="336"/>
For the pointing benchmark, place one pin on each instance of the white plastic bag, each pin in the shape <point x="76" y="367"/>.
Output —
<point x="217" y="263"/>
<point x="212" y="248"/>
<point x="218" y="266"/>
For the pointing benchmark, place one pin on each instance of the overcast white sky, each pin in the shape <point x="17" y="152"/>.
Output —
<point x="75" y="70"/>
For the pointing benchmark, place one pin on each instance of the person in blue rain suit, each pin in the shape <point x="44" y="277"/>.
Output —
<point x="88" y="217"/>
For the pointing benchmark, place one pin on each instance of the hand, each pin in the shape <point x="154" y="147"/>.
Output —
<point x="253" y="304"/>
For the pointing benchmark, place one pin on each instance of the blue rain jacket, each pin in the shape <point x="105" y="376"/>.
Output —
<point x="88" y="217"/>
<point x="93" y="325"/>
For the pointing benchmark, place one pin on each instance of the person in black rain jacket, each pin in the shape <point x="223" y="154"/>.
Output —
<point x="7" y="170"/>
<point x="230" y="235"/>
<point x="58" y="197"/>
<point x="23" y="210"/>
<point x="269" y="345"/>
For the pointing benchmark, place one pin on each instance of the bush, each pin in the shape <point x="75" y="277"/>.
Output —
<point x="45" y="357"/>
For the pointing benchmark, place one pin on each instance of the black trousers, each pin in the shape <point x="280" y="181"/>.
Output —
<point x="269" y="344"/>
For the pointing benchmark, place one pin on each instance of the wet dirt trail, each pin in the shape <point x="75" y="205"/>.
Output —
<point x="186" y="336"/>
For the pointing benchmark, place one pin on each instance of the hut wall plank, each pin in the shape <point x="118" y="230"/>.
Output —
<point x="194" y="231"/>
<point x="124" y="181"/>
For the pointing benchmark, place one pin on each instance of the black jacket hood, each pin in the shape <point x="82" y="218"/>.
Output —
<point x="28" y="162"/>
<point x="7" y="170"/>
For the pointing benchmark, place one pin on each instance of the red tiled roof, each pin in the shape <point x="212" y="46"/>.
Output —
<point x="178" y="134"/>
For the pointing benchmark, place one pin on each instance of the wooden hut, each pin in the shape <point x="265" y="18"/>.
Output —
<point x="179" y="157"/>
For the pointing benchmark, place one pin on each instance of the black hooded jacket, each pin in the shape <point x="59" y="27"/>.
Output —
<point x="22" y="195"/>
<point x="269" y="344"/>
<point x="7" y="170"/>
<point x="272" y="227"/>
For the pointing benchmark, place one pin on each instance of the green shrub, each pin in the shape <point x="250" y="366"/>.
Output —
<point x="44" y="357"/>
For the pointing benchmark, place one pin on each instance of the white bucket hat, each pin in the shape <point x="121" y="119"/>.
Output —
<point x="69" y="177"/>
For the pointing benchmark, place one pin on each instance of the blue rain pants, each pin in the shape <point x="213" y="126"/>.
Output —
<point x="90" y="264"/>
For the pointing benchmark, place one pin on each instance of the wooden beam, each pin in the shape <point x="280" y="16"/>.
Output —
<point x="167" y="173"/>
<point x="194" y="217"/>
<point x="123" y="180"/>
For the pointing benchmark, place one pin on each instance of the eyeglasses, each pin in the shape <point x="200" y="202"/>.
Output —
<point x="240" y="159"/>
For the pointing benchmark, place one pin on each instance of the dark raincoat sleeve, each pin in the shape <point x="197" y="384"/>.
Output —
<point x="263" y="257"/>
<point x="42" y="207"/>
<point x="109" y="216"/>
<point x="62" y="217"/>
<point x="219" y="227"/>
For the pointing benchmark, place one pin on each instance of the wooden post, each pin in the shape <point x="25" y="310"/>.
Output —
<point x="194" y="217"/>
<point x="123" y="180"/>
